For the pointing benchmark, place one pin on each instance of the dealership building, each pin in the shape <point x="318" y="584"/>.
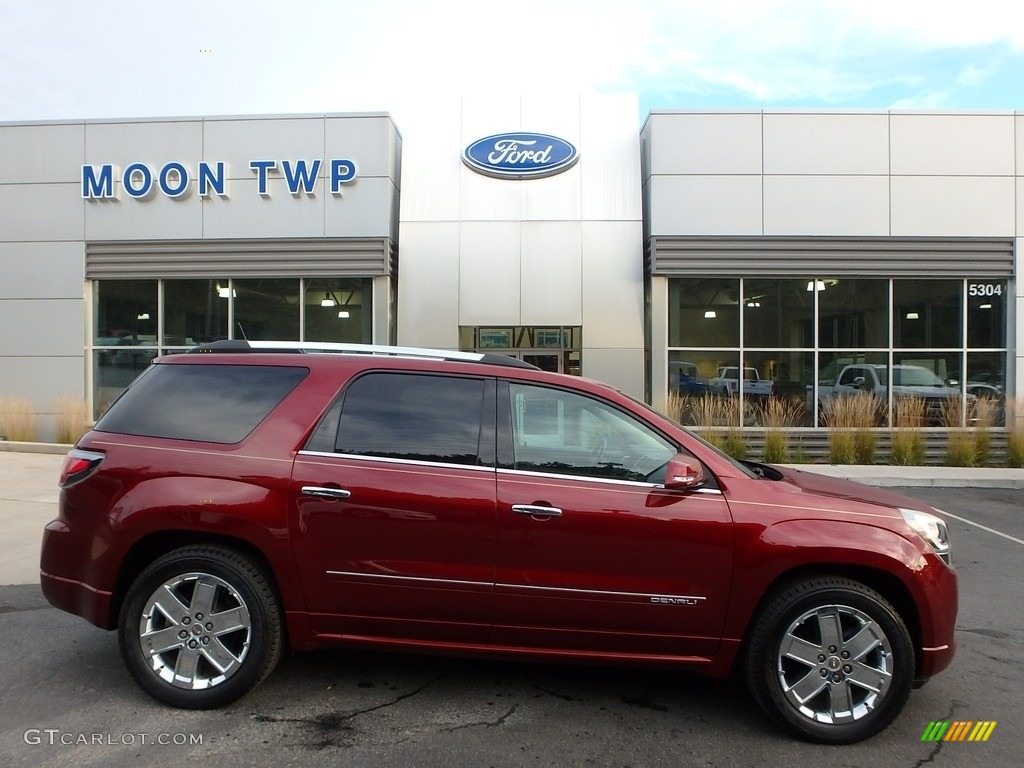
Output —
<point x="649" y="254"/>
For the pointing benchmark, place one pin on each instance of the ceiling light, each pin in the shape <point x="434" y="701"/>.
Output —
<point x="343" y="314"/>
<point x="225" y="293"/>
<point x="985" y="306"/>
<point x="710" y="313"/>
<point x="913" y="316"/>
<point x="816" y="285"/>
<point x="327" y="301"/>
<point x="753" y="304"/>
<point x="143" y="316"/>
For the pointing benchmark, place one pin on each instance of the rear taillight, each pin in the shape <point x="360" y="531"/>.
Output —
<point x="78" y="465"/>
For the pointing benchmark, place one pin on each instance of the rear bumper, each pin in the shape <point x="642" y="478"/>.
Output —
<point x="75" y="597"/>
<point x="62" y="556"/>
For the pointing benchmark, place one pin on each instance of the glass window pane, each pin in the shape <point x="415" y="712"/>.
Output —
<point x="778" y="313"/>
<point x="113" y="371"/>
<point x="339" y="310"/>
<point x="407" y="416"/>
<point x="853" y="313"/>
<point x="267" y="309"/>
<point x="783" y="375"/>
<point x="703" y="313"/>
<point x="986" y="373"/>
<point x="210" y="403"/>
<point x="927" y="313"/>
<point x="986" y="313"/>
<point x="839" y="370"/>
<point x="126" y="313"/>
<point x="564" y="433"/>
<point x="195" y="312"/>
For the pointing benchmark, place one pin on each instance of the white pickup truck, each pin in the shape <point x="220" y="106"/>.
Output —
<point x="727" y="382"/>
<point x="907" y="381"/>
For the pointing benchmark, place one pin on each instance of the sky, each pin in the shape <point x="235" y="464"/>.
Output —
<point x="95" y="59"/>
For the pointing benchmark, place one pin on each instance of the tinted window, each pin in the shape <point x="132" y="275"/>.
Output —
<point x="565" y="433"/>
<point x="212" y="403"/>
<point x="409" y="416"/>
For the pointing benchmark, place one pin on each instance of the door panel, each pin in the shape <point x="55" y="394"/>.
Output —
<point x="409" y="553"/>
<point x="624" y="567"/>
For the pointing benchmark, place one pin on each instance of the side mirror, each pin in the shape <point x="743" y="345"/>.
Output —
<point x="683" y="473"/>
<point x="859" y="382"/>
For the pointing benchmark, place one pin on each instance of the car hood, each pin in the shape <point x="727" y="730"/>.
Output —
<point x="832" y="487"/>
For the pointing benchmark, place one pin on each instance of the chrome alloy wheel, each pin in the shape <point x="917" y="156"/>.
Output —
<point x="195" y="631"/>
<point x="835" y="664"/>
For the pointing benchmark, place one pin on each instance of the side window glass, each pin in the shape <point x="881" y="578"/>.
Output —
<point x="570" y="434"/>
<point x="412" y="416"/>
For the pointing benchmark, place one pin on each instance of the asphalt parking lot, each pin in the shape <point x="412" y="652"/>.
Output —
<point x="69" y="701"/>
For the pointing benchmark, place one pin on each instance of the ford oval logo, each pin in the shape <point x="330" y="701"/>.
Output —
<point x="520" y="155"/>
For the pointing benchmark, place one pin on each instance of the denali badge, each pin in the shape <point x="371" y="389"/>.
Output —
<point x="520" y="155"/>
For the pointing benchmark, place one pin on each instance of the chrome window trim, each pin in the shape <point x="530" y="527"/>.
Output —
<point x="612" y="480"/>
<point x="387" y="460"/>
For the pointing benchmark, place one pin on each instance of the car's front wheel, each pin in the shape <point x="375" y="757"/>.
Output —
<point x="200" y="627"/>
<point x="830" y="660"/>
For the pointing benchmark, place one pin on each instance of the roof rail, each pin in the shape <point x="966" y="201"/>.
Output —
<point x="327" y="347"/>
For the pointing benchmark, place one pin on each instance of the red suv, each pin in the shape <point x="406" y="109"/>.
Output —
<point x="257" y="496"/>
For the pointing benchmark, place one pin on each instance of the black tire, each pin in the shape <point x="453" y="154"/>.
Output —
<point x="200" y="627"/>
<point x="830" y="660"/>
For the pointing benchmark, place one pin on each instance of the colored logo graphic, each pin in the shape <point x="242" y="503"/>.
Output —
<point x="520" y="155"/>
<point x="958" y="730"/>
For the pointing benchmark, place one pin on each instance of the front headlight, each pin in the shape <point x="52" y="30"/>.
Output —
<point x="930" y="528"/>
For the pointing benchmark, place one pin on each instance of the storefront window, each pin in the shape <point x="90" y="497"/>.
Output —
<point x="852" y="313"/>
<point x="338" y="310"/>
<point x="986" y="313"/>
<point x="927" y="313"/>
<point x="704" y="313"/>
<point x="126" y="313"/>
<point x="266" y="308"/>
<point x="806" y="341"/>
<point x="778" y="313"/>
<point x="131" y="315"/>
<point x="195" y="312"/>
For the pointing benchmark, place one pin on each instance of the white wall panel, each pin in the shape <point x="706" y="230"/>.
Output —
<point x="706" y="143"/>
<point x="431" y="161"/>
<point x="622" y="368"/>
<point x="1020" y="216"/>
<point x="246" y="214"/>
<point x="952" y="206"/>
<point x="364" y="209"/>
<point x="705" y="205"/>
<point x="40" y="328"/>
<point x="552" y="266"/>
<point x="826" y="205"/>
<point x="555" y="114"/>
<point x="1018" y="122"/>
<point x="151" y="142"/>
<point x="41" y="153"/>
<point x="240" y="141"/>
<point x="428" y="293"/>
<point x="46" y="212"/>
<point x="482" y="198"/>
<point x="555" y="198"/>
<point x="826" y="143"/>
<point x="952" y="145"/>
<point x="366" y="140"/>
<point x="609" y="150"/>
<point x="42" y="270"/>
<point x="157" y="217"/>
<point x="613" y="285"/>
<point x="489" y="273"/>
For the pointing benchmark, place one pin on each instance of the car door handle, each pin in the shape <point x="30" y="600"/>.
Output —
<point x="325" y="493"/>
<point x="536" y="511"/>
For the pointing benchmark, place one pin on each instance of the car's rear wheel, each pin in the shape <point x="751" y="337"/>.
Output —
<point x="200" y="627"/>
<point x="830" y="660"/>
